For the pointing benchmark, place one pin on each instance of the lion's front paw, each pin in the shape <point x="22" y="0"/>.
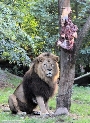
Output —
<point x="20" y="113"/>
<point x="36" y="112"/>
<point x="51" y="113"/>
<point x="44" y="114"/>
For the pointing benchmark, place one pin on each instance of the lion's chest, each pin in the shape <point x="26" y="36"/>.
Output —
<point x="41" y="88"/>
<point x="34" y="86"/>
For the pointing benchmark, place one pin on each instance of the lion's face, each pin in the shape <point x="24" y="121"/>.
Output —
<point x="47" y="66"/>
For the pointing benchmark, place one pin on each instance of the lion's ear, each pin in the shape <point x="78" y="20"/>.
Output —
<point x="40" y="59"/>
<point x="56" y="58"/>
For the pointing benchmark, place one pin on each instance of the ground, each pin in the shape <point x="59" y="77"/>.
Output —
<point x="4" y="79"/>
<point x="79" y="112"/>
<point x="4" y="83"/>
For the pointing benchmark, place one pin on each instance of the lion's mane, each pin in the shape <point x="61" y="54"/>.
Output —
<point x="37" y="82"/>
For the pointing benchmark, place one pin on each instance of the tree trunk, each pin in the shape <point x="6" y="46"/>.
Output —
<point x="67" y="68"/>
<point x="67" y="73"/>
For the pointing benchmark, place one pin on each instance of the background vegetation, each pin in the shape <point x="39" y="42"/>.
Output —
<point x="29" y="27"/>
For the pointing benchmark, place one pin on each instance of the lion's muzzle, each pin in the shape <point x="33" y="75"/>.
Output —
<point x="49" y="73"/>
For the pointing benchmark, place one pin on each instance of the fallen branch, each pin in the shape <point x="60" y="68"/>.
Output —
<point x="87" y="74"/>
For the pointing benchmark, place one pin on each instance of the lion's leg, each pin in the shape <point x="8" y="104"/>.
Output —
<point x="46" y="105"/>
<point x="42" y="106"/>
<point x="47" y="108"/>
<point x="13" y="104"/>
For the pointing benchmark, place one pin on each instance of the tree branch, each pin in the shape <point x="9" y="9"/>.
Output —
<point x="82" y="34"/>
<point x="87" y="74"/>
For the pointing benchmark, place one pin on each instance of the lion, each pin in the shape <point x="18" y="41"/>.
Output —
<point x="38" y="85"/>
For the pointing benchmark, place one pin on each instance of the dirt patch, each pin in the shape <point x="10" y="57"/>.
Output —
<point x="4" y="79"/>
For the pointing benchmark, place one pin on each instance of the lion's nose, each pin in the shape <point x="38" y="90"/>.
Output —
<point x="49" y="69"/>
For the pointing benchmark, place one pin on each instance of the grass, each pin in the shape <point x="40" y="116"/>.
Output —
<point x="79" y="112"/>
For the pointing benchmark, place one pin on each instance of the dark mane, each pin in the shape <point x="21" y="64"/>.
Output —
<point x="34" y="86"/>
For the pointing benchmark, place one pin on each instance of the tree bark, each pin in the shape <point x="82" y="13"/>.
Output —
<point x="67" y="73"/>
<point x="67" y="67"/>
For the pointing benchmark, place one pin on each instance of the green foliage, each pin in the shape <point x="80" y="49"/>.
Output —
<point x="33" y="26"/>
<point x="46" y="14"/>
<point x="83" y="58"/>
<point x="12" y="51"/>
<point x="81" y="11"/>
<point x="12" y="37"/>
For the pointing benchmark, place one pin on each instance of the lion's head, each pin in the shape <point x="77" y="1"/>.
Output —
<point x="46" y="66"/>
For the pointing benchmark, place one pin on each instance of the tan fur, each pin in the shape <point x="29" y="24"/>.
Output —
<point x="41" y="70"/>
<point x="48" y="70"/>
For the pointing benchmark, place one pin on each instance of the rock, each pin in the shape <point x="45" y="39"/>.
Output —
<point x="61" y="111"/>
